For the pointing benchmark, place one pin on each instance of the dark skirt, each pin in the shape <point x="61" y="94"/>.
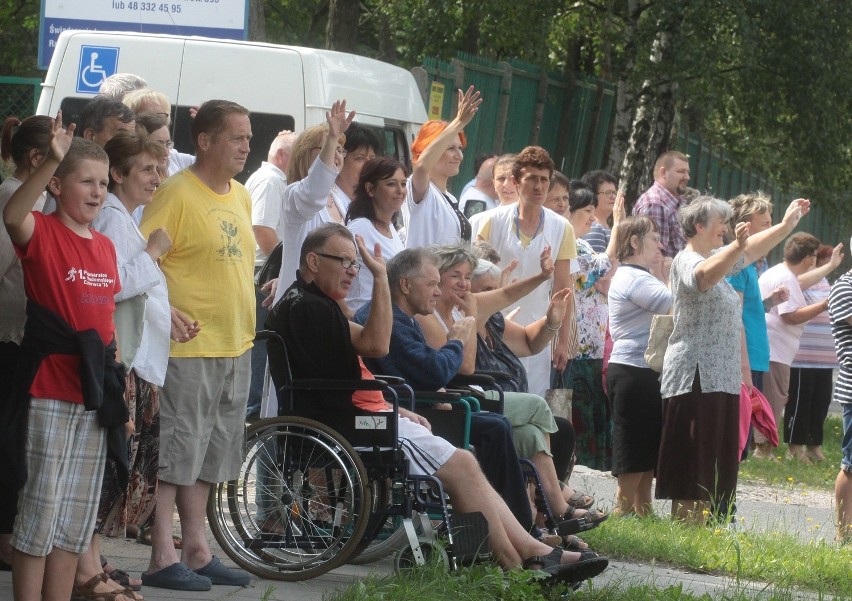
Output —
<point x="807" y="405"/>
<point x="591" y="415"/>
<point x="637" y="418"/>
<point x="698" y="448"/>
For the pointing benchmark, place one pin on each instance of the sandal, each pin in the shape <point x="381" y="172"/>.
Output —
<point x="87" y="592"/>
<point x="574" y="543"/>
<point x="568" y="524"/>
<point x="120" y="576"/>
<point x="580" y="500"/>
<point x="588" y="566"/>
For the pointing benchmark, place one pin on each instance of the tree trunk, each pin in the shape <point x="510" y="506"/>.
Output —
<point x="625" y="99"/>
<point x="650" y="132"/>
<point x="342" y="31"/>
<point x="257" y="22"/>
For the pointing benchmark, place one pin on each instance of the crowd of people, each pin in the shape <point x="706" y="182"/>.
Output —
<point x="135" y="376"/>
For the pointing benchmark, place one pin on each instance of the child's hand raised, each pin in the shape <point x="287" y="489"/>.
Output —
<point x="60" y="139"/>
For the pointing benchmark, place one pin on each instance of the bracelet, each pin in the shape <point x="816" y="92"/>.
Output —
<point x="552" y="329"/>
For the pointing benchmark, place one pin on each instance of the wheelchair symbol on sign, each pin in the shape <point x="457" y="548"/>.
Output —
<point x="93" y="75"/>
<point x="96" y="64"/>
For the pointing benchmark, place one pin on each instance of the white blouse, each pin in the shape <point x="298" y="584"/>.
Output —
<point x="361" y="291"/>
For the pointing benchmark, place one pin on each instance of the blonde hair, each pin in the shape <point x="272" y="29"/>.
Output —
<point x="135" y="99"/>
<point x="300" y="157"/>
<point x="746" y="206"/>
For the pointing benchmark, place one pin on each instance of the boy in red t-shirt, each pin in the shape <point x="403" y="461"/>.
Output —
<point x="71" y="270"/>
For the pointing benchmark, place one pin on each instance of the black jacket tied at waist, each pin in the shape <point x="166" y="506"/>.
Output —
<point x="101" y="380"/>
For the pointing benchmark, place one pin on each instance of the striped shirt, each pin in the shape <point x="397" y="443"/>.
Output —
<point x="816" y="347"/>
<point x="598" y="237"/>
<point x="840" y="311"/>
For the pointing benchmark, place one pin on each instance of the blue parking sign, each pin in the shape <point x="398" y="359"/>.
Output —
<point x="96" y="64"/>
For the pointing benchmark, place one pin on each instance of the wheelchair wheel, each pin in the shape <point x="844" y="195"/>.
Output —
<point x="300" y="505"/>
<point x="384" y="535"/>
<point x="432" y="552"/>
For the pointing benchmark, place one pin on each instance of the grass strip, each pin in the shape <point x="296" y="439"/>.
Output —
<point x="787" y="471"/>
<point x="777" y="558"/>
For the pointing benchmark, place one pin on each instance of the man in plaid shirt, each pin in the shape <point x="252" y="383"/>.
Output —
<point x="664" y="198"/>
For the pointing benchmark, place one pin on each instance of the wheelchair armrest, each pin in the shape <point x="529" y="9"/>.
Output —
<point x="479" y="378"/>
<point x="268" y="335"/>
<point x="323" y="384"/>
<point x="392" y="380"/>
<point x="431" y="396"/>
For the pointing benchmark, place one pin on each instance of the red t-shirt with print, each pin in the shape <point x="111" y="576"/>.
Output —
<point x="76" y="278"/>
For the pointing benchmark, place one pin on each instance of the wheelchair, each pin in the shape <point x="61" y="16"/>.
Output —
<point x="324" y="481"/>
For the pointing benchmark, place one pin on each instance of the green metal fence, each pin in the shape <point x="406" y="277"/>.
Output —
<point x="19" y="96"/>
<point x="572" y="116"/>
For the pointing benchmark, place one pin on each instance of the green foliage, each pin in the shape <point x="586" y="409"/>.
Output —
<point x="776" y="557"/>
<point x="480" y="582"/>
<point x="19" y="38"/>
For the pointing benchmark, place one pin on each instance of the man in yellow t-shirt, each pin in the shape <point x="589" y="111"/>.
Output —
<point x="209" y="271"/>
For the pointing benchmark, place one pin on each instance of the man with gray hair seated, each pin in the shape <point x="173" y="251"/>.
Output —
<point x="321" y="342"/>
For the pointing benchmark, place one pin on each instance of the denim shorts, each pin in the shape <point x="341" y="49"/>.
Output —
<point x="846" y="444"/>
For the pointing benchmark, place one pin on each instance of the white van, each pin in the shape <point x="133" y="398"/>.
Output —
<point x="284" y="87"/>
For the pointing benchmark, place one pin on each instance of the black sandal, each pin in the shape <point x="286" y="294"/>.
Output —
<point x="588" y="566"/>
<point x="568" y="524"/>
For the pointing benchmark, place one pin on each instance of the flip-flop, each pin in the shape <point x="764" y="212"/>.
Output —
<point x="219" y="573"/>
<point x="177" y="577"/>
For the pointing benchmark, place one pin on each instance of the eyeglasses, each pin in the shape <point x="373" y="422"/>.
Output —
<point x="655" y="237"/>
<point x="609" y="193"/>
<point x="346" y="263"/>
<point x="167" y="143"/>
<point x="341" y="152"/>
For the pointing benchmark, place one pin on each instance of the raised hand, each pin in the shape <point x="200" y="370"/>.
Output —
<point x="546" y="262"/>
<point x="374" y="262"/>
<point x="836" y="256"/>
<point x="337" y="119"/>
<point x="557" y="308"/>
<point x="742" y="232"/>
<point x="797" y="209"/>
<point x="468" y="105"/>
<point x="462" y="329"/>
<point x="60" y="138"/>
<point x="780" y="295"/>
<point x="619" y="212"/>
<point x="507" y="272"/>
<point x="465" y="301"/>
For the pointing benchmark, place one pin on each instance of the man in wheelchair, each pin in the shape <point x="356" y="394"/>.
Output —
<point x="322" y="343"/>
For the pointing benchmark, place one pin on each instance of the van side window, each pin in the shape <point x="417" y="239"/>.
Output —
<point x="264" y="128"/>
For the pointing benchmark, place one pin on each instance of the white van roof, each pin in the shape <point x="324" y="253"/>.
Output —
<point x="375" y="89"/>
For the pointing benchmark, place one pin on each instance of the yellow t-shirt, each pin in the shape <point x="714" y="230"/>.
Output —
<point x="210" y="266"/>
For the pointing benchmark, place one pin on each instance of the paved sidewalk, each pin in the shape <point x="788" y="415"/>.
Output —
<point x="763" y="508"/>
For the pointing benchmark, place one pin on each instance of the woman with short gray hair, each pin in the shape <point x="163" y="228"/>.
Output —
<point x="701" y="376"/>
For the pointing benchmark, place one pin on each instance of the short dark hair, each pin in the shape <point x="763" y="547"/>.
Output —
<point x="532" y="156"/>
<point x="125" y="146"/>
<point x="557" y="178"/>
<point x="151" y="122"/>
<point x="317" y="238"/>
<point x="800" y="246"/>
<point x="580" y="197"/>
<point x="100" y="108"/>
<point x="81" y="150"/>
<point x="372" y="172"/>
<point x="406" y="263"/>
<point x="360" y="136"/>
<point x="597" y="178"/>
<point x="211" y="117"/>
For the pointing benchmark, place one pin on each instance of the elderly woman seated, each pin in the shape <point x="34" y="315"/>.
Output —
<point x="702" y="376"/>
<point x="531" y="419"/>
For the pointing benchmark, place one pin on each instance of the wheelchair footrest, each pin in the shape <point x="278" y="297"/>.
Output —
<point x="470" y="537"/>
